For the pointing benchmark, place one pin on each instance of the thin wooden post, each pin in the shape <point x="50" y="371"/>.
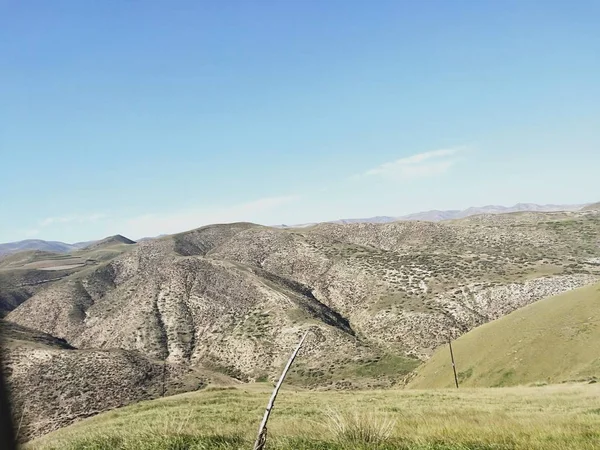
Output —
<point x="20" y="421"/>
<point x="453" y="365"/>
<point x="261" y="439"/>
<point x="163" y="378"/>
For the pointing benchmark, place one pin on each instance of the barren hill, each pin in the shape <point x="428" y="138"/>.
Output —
<point x="109" y="241"/>
<point x="53" y="384"/>
<point x="378" y="298"/>
<point x="592" y="207"/>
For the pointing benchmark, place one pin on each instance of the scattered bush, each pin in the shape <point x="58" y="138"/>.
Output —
<point x="359" y="428"/>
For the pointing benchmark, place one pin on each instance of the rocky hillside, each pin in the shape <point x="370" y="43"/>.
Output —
<point x="236" y="293"/>
<point x="233" y="299"/>
<point x="52" y="384"/>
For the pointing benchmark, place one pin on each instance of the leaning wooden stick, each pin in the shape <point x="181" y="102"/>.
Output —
<point x="261" y="439"/>
<point x="453" y="365"/>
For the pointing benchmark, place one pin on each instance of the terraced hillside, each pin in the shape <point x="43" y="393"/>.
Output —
<point x="379" y="298"/>
<point x="553" y="340"/>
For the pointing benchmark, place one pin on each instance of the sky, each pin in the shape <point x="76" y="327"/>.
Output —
<point x="151" y="117"/>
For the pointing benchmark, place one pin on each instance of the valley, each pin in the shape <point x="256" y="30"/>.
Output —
<point x="120" y="322"/>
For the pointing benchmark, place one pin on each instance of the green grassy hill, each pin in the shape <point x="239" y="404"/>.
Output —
<point x="564" y="417"/>
<point x="553" y="340"/>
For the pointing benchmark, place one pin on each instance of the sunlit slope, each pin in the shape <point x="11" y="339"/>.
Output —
<point x="561" y="417"/>
<point x="553" y="340"/>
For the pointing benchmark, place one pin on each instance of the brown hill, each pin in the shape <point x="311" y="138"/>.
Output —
<point x="396" y="285"/>
<point x="52" y="384"/>
<point x="592" y="207"/>
<point x="117" y="239"/>
<point x="234" y="298"/>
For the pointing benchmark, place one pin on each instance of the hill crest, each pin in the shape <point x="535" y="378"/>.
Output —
<point x="109" y="241"/>
<point x="592" y="207"/>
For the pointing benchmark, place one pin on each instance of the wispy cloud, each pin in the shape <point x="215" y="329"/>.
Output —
<point x="253" y="211"/>
<point x="417" y="166"/>
<point x="73" y="218"/>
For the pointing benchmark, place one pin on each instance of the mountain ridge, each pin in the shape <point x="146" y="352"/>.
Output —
<point x="436" y="215"/>
<point x="9" y="248"/>
<point x="431" y="216"/>
<point x="440" y="215"/>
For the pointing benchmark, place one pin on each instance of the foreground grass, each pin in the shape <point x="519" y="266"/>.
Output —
<point x="550" y="418"/>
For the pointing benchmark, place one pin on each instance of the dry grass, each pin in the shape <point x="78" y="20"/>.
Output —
<point x="563" y="417"/>
<point x="359" y="428"/>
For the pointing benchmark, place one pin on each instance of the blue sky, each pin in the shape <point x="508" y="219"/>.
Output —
<point x="150" y="117"/>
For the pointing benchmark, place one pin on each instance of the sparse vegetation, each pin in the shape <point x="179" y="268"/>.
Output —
<point x="229" y="301"/>
<point x="371" y="371"/>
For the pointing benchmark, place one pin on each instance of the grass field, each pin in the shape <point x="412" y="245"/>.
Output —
<point x="550" y="341"/>
<point x="561" y="417"/>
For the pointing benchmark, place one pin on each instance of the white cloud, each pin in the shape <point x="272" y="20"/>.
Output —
<point x="417" y="166"/>
<point x="74" y="218"/>
<point x="31" y="233"/>
<point x="155" y="224"/>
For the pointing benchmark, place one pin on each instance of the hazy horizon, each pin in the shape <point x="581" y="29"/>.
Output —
<point x="581" y="204"/>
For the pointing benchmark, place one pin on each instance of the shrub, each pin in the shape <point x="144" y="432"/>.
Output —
<point x="359" y="429"/>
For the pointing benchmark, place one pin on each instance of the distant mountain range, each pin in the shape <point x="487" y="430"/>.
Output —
<point x="59" y="247"/>
<point x="429" y="216"/>
<point x="38" y="244"/>
<point x="437" y="215"/>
